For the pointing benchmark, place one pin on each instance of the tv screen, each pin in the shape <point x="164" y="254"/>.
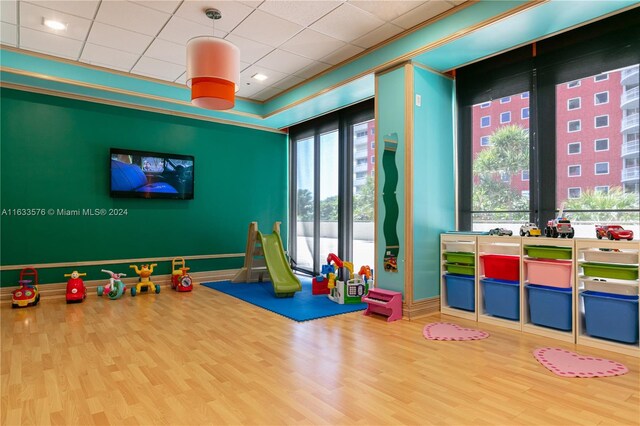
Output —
<point x="143" y="174"/>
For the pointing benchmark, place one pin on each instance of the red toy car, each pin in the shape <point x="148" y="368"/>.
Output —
<point x="76" y="290"/>
<point x="613" y="232"/>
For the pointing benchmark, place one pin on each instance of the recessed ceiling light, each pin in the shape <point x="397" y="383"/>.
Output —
<point x="259" y="77"/>
<point x="55" y="25"/>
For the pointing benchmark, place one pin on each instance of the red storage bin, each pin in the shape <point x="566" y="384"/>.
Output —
<point x="501" y="267"/>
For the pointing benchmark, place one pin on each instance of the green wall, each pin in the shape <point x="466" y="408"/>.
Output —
<point x="433" y="177"/>
<point x="55" y="155"/>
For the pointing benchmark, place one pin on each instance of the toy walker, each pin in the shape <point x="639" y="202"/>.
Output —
<point x="344" y="286"/>
<point x="180" y="279"/>
<point x="27" y="294"/>
<point x="115" y="288"/>
<point x="76" y="290"/>
<point x="144" y="284"/>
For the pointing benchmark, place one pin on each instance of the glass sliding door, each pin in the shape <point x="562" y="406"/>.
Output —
<point x="329" y="189"/>
<point x="305" y="200"/>
<point x="362" y="224"/>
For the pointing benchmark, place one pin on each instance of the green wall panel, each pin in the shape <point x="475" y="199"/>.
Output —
<point x="433" y="180"/>
<point x="55" y="155"/>
<point x="390" y="100"/>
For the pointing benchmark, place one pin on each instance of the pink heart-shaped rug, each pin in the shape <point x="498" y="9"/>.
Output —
<point x="448" y="331"/>
<point x="570" y="364"/>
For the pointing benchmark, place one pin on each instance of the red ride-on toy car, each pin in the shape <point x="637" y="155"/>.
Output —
<point x="613" y="232"/>
<point x="76" y="290"/>
<point x="180" y="279"/>
<point x="27" y="294"/>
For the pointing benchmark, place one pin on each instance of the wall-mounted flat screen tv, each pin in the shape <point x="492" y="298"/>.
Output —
<point x="143" y="174"/>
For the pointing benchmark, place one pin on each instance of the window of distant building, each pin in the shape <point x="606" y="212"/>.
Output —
<point x="574" y="126"/>
<point x="373" y="131"/>
<point x="524" y="113"/>
<point x="603" y="189"/>
<point x="373" y="145"/>
<point x="574" y="192"/>
<point x="505" y="177"/>
<point x="485" y="105"/>
<point x="485" y="141"/>
<point x="524" y="175"/>
<point x="602" y="168"/>
<point x="573" y="103"/>
<point x="485" y="121"/>
<point x="601" y="77"/>
<point x="505" y="117"/>
<point x="574" y="171"/>
<point x="601" y="98"/>
<point x="524" y="95"/>
<point x="572" y="84"/>
<point x="505" y="100"/>
<point x="601" y="145"/>
<point x="574" y="148"/>
<point x="601" y="121"/>
<point x="373" y="159"/>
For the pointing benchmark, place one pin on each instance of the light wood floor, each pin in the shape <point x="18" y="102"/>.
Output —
<point x="207" y="358"/>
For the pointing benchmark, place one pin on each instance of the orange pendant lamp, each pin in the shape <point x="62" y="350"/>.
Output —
<point x="213" y="70"/>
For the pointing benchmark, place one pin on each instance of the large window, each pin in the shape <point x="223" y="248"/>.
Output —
<point x="582" y="145"/>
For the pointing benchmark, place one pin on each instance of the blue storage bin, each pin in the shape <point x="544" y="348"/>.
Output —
<point x="550" y="306"/>
<point x="611" y="316"/>
<point x="501" y="298"/>
<point x="460" y="293"/>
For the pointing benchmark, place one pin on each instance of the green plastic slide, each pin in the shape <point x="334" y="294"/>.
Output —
<point x="285" y="284"/>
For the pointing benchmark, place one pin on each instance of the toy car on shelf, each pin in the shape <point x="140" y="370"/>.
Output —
<point x="559" y="227"/>
<point x="613" y="232"/>
<point x="530" y="230"/>
<point x="500" y="231"/>
<point x="27" y="294"/>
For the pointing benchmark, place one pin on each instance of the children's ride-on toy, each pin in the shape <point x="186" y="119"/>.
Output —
<point x="27" y="294"/>
<point x="180" y="279"/>
<point x="144" y="284"/>
<point x="115" y="288"/>
<point x="76" y="291"/>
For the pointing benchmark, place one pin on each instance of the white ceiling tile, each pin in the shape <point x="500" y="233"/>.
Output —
<point x="267" y="29"/>
<point x="312" y="44"/>
<point x="302" y="13"/>
<point x="312" y="70"/>
<point x="117" y="38"/>
<point x="233" y="13"/>
<point x="131" y="16"/>
<point x="50" y="44"/>
<point x="84" y="8"/>
<point x="8" y="34"/>
<point x="250" y="51"/>
<point x="282" y="61"/>
<point x="157" y="69"/>
<point x="32" y="16"/>
<point x="9" y="11"/>
<point x="288" y="82"/>
<point x="182" y="79"/>
<point x="267" y="93"/>
<point x="382" y="33"/>
<point x="167" y="51"/>
<point x="387" y="10"/>
<point x="347" y="23"/>
<point x="273" y="76"/>
<point x="168" y="6"/>
<point x="180" y="30"/>
<point x="252" y="3"/>
<point x="342" y="54"/>
<point x="107" y="57"/>
<point x="248" y="90"/>
<point x="422" y="13"/>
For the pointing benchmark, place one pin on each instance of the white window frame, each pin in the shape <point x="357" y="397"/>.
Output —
<point x="505" y="100"/>
<point x="574" y="121"/>
<point x="605" y="74"/>
<point x="485" y="104"/>
<point x="579" y="170"/>
<point x="576" y="83"/>
<point x="595" y="168"/>
<point x="522" y="117"/>
<point x="488" y="125"/>
<point x="524" y="95"/>
<point x="573" y="99"/>
<point x="488" y="139"/>
<point x="373" y="159"/>
<point x="522" y="178"/>
<point x="506" y="121"/>
<point x="595" y="98"/>
<point x="524" y="193"/>
<point x="595" y="144"/>
<point x="603" y="188"/>
<point x="574" y="188"/>
<point x="595" y="121"/>
<point x="579" y="148"/>
<point x="373" y="145"/>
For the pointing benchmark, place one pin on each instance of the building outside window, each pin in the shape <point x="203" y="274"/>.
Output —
<point x="602" y="189"/>
<point x="524" y="176"/>
<point x="505" y="117"/>
<point x="575" y="192"/>
<point x="601" y="77"/>
<point x="485" y="121"/>
<point x="574" y="126"/>
<point x="601" y="98"/>
<point x="574" y="148"/>
<point x="505" y="100"/>
<point x="601" y="144"/>
<point x="524" y="113"/>
<point x="573" y="103"/>
<point x="601" y="121"/>
<point x="485" y="141"/>
<point x="574" y="171"/>
<point x="572" y="84"/>
<point x="602" y="168"/>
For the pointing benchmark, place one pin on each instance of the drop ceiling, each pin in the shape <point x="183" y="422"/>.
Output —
<point x="288" y="41"/>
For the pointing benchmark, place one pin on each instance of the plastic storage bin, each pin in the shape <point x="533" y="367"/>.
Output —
<point x="460" y="292"/>
<point x="611" y="256"/>
<point x="465" y="246"/>
<point x="629" y="288"/>
<point x="604" y="270"/>
<point x="454" y="268"/>
<point x="460" y="257"/>
<point x="548" y="252"/>
<point x="501" y="267"/>
<point x="611" y="316"/>
<point x="501" y="298"/>
<point x="554" y="273"/>
<point x="550" y="306"/>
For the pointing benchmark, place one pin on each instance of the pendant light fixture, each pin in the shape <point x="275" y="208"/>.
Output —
<point x="213" y="69"/>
